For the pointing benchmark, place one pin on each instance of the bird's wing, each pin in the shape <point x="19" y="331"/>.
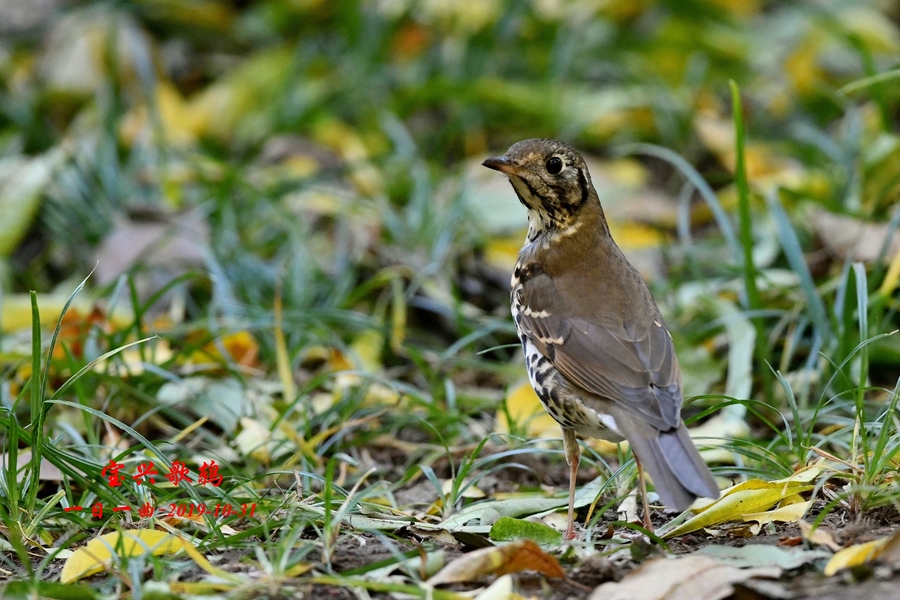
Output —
<point x="632" y="364"/>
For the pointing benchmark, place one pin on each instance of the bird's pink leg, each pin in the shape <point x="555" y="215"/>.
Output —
<point x="647" y="523"/>
<point x="573" y="456"/>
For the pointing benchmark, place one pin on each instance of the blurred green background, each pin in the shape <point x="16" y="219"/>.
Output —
<point x="288" y="195"/>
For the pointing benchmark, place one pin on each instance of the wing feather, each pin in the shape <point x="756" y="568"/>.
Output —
<point x="629" y="363"/>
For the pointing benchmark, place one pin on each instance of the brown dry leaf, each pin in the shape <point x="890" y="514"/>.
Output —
<point x="15" y="312"/>
<point x="818" y="536"/>
<point x="168" y="244"/>
<point x="75" y="328"/>
<point x="48" y="472"/>
<point x="692" y="577"/>
<point x="514" y="557"/>
<point x="849" y="239"/>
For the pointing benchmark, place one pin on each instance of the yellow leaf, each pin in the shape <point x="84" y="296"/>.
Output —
<point x="367" y="350"/>
<point x="804" y="475"/>
<point x="854" y="555"/>
<point x="254" y="440"/>
<point x="524" y="408"/>
<point x="633" y="236"/>
<point x="786" y="514"/>
<point x="240" y="346"/>
<point x="740" y="8"/>
<point x="470" y="491"/>
<point x="16" y="311"/>
<point x="97" y="555"/>
<point x="350" y="146"/>
<point x="282" y="357"/>
<point x="502" y="251"/>
<point x="734" y="503"/>
<point x="178" y="121"/>
<point x="886" y="549"/>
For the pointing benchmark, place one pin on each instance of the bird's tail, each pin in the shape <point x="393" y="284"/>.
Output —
<point x="679" y="473"/>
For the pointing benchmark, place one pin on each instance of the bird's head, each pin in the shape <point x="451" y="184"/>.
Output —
<point x="549" y="177"/>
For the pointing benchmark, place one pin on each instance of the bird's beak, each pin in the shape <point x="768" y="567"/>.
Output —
<point x="500" y="163"/>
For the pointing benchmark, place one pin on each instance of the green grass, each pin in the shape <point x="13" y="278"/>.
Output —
<point x="330" y="153"/>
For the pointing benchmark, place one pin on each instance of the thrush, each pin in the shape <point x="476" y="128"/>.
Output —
<point x="596" y="347"/>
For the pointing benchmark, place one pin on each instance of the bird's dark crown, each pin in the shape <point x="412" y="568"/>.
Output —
<point x="550" y="178"/>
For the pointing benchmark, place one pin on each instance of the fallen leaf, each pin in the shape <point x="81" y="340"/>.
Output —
<point x="748" y="497"/>
<point x="514" y="557"/>
<point x="784" y="514"/>
<point x="223" y="400"/>
<point x="255" y="440"/>
<point x="484" y="514"/>
<point x="886" y="548"/>
<point x="765" y="165"/>
<point x="468" y="490"/>
<point x="21" y="184"/>
<point x="818" y="536"/>
<point x="628" y="509"/>
<point x="97" y="555"/>
<point x="507" y="529"/>
<point x="48" y="471"/>
<point x="524" y="409"/>
<point x="169" y="244"/>
<point x="240" y="346"/>
<point x="849" y="239"/>
<point x="762" y="555"/>
<point x="694" y="576"/>
<point x="501" y="589"/>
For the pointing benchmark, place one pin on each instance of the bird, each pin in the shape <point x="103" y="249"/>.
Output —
<point x="597" y="350"/>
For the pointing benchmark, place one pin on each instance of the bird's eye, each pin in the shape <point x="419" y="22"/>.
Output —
<point x="554" y="165"/>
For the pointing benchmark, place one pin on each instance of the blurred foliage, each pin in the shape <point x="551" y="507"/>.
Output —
<point x="231" y="169"/>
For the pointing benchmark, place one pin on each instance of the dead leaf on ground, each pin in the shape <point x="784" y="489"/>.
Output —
<point x="886" y="549"/>
<point x="48" y="472"/>
<point x="167" y="244"/>
<point x="514" y="557"/>
<point x="524" y="407"/>
<point x="850" y="239"/>
<point x="693" y="576"/>
<point x="783" y="514"/>
<point x="748" y="497"/>
<point x="819" y="536"/>
<point x="97" y="554"/>
<point x="762" y="555"/>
